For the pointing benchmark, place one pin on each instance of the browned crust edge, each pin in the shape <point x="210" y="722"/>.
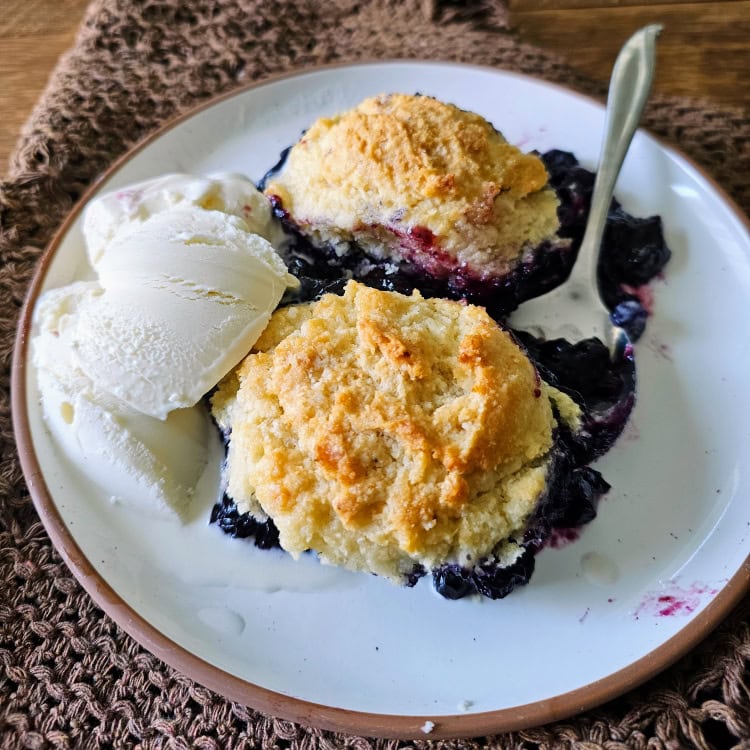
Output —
<point x="285" y="706"/>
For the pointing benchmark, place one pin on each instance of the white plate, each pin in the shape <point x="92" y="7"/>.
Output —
<point x="660" y="566"/>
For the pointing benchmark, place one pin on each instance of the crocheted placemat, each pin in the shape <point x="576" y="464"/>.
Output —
<point x="69" y="676"/>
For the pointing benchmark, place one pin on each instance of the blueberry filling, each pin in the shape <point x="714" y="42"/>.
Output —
<point x="604" y="391"/>
<point x="227" y="517"/>
<point x="486" y="578"/>
<point x="633" y="249"/>
<point x="633" y="253"/>
<point x="322" y="270"/>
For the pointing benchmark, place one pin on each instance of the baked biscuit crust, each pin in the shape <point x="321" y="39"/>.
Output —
<point x="415" y="179"/>
<point x="385" y="431"/>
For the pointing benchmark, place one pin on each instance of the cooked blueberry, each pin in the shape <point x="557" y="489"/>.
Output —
<point x="417" y="572"/>
<point x="558" y="164"/>
<point x="227" y="517"/>
<point x="633" y="249"/>
<point x="583" y="489"/>
<point x="453" y="581"/>
<point x="496" y="582"/>
<point x="266" y="534"/>
<point x="488" y="578"/>
<point x="312" y="288"/>
<point x="583" y="368"/>
<point x="631" y="316"/>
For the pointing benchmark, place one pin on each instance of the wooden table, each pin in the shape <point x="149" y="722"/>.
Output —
<point x="704" y="49"/>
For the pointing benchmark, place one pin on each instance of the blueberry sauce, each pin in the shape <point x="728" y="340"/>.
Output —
<point x="225" y="514"/>
<point x="486" y="578"/>
<point x="604" y="391"/>
<point x="633" y="249"/>
<point x="633" y="252"/>
<point x="424" y="267"/>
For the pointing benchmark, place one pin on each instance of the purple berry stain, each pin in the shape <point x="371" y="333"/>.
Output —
<point x="676" y="601"/>
<point x="560" y="538"/>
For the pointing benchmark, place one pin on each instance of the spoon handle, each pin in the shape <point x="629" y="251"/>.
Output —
<point x="628" y="91"/>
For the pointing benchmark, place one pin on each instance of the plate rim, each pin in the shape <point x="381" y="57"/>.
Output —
<point x="275" y="703"/>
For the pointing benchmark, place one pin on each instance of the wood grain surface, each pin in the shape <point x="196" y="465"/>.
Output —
<point x="33" y="35"/>
<point x="704" y="50"/>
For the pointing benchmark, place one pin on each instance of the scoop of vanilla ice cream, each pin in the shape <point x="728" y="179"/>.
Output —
<point x="182" y="298"/>
<point x="187" y="281"/>
<point x="151" y="464"/>
<point x="125" y="210"/>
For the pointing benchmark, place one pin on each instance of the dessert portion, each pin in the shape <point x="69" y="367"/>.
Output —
<point x="182" y="293"/>
<point x="392" y="434"/>
<point x="411" y="180"/>
<point x="407" y="194"/>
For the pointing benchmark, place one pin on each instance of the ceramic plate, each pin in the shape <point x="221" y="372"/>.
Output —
<point x="661" y="565"/>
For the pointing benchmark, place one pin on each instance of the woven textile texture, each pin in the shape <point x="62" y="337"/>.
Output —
<point x="69" y="677"/>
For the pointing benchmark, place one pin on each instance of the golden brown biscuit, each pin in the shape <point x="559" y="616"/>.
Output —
<point x="385" y="431"/>
<point x="411" y="178"/>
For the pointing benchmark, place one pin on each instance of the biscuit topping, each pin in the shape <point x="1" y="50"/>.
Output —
<point x="395" y="163"/>
<point x="382" y="430"/>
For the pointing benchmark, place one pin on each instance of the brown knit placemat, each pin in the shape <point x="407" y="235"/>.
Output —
<point x="69" y="677"/>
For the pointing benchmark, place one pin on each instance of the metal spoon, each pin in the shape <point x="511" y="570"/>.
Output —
<point x="574" y="310"/>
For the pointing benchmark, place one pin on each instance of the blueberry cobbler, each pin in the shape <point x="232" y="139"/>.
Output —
<point x="387" y="419"/>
